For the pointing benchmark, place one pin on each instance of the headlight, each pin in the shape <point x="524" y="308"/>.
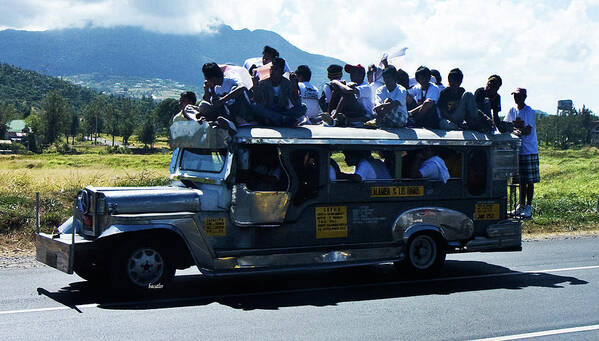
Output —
<point x="83" y="201"/>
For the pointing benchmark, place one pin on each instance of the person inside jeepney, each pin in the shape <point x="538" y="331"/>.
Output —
<point x="456" y="105"/>
<point x="426" y="95"/>
<point x="185" y="98"/>
<point x="350" y="104"/>
<point x="277" y="100"/>
<point x="265" y="171"/>
<point x="223" y="101"/>
<point x="426" y="164"/>
<point x="390" y="102"/>
<point x="305" y="164"/>
<point x="366" y="167"/>
<point x="334" y="72"/>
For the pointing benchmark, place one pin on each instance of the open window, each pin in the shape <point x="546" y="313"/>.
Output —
<point x="362" y="165"/>
<point x="260" y="195"/>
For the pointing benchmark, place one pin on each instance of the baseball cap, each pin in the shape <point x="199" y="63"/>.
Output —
<point x="351" y="68"/>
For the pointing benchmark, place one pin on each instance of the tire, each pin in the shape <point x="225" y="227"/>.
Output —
<point x="91" y="272"/>
<point x="143" y="266"/>
<point x="425" y="255"/>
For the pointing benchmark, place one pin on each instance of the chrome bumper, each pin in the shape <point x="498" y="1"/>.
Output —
<point x="57" y="251"/>
<point x="503" y="236"/>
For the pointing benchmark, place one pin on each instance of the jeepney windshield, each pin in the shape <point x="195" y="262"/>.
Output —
<point x="203" y="160"/>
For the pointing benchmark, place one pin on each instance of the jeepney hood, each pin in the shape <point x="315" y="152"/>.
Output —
<point x="131" y="200"/>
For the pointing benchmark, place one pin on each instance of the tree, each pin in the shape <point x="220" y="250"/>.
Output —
<point x="7" y="113"/>
<point x="73" y="127"/>
<point x="112" y="120"/>
<point x="147" y="133"/>
<point x="164" y="112"/>
<point x="93" y="118"/>
<point x="55" y="116"/>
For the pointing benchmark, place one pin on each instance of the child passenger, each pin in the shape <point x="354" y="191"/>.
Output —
<point x="308" y="93"/>
<point x="426" y="95"/>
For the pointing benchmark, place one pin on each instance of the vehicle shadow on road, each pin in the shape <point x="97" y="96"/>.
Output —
<point x="315" y="288"/>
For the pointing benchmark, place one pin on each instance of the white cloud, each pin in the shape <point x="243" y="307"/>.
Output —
<point x="549" y="47"/>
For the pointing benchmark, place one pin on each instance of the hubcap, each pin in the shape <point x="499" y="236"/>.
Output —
<point x="145" y="266"/>
<point x="423" y="251"/>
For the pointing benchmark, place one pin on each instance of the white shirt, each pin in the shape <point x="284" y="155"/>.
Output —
<point x="309" y="97"/>
<point x="529" y="142"/>
<point x="229" y="84"/>
<point x="434" y="168"/>
<point x="398" y="94"/>
<point x="365" y="96"/>
<point x="431" y="93"/>
<point x="371" y="169"/>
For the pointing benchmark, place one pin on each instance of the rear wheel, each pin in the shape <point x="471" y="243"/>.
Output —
<point x="144" y="265"/>
<point x="424" y="254"/>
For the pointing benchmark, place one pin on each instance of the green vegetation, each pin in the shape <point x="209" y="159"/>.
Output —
<point x="569" y="129"/>
<point x="58" y="178"/>
<point x="566" y="198"/>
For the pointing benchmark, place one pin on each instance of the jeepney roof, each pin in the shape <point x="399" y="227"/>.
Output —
<point x="190" y="134"/>
<point x="336" y="135"/>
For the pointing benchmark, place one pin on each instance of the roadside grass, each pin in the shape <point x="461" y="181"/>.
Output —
<point x="58" y="178"/>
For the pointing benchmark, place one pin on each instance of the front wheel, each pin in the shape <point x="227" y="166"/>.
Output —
<point x="143" y="266"/>
<point x="424" y="254"/>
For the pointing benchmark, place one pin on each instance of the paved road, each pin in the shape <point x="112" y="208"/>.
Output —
<point x="551" y="288"/>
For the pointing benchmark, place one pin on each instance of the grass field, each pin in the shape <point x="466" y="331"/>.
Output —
<point x="565" y="200"/>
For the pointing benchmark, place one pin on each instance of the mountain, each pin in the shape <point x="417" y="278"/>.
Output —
<point x="132" y="52"/>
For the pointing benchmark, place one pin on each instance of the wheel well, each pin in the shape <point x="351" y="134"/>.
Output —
<point x="437" y="236"/>
<point x="172" y="242"/>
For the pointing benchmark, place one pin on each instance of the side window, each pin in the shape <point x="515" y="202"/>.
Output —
<point x="431" y="163"/>
<point x="306" y="165"/>
<point x="264" y="171"/>
<point x="453" y="162"/>
<point x="477" y="172"/>
<point x="361" y="165"/>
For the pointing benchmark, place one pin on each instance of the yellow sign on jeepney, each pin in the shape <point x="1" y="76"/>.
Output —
<point x="215" y="227"/>
<point x="331" y="222"/>
<point x="486" y="211"/>
<point x="396" y="191"/>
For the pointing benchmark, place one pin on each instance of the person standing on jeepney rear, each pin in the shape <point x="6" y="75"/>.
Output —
<point x="488" y="100"/>
<point x="390" y="102"/>
<point x="524" y="120"/>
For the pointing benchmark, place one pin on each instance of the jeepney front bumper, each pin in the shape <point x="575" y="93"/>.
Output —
<point x="58" y="250"/>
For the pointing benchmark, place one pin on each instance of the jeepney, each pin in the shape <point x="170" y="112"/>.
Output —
<point x="215" y="215"/>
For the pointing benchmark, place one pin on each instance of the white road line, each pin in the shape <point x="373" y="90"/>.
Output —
<point x="262" y="293"/>
<point x="542" y="333"/>
<point x="7" y="312"/>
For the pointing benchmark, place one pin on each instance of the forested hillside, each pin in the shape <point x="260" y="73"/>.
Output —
<point x="24" y="88"/>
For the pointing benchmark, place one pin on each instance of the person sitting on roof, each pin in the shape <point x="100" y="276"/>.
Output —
<point x="438" y="80"/>
<point x="268" y="56"/>
<point x="426" y="95"/>
<point x="276" y="98"/>
<point x="185" y="98"/>
<point x="308" y="93"/>
<point x="366" y="167"/>
<point x="390" y="102"/>
<point x="456" y="105"/>
<point x="488" y="101"/>
<point x="334" y="72"/>
<point x="223" y="101"/>
<point x="351" y="103"/>
<point x="429" y="166"/>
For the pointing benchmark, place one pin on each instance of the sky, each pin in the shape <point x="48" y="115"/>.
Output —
<point x="551" y="47"/>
